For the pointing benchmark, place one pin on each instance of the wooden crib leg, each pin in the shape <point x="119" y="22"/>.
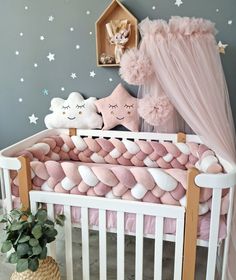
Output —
<point x="191" y="223"/>
<point x="25" y="184"/>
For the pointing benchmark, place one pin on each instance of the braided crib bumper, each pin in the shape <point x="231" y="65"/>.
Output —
<point x="124" y="152"/>
<point x="143" y="170"/>
<point x="155" y="185"/>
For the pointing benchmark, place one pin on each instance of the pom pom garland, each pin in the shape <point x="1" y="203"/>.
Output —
<point x="136" y="67"/>
<point x="155" y="110"/>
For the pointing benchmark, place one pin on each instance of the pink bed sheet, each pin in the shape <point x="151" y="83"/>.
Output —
<point x="149" y="222"/>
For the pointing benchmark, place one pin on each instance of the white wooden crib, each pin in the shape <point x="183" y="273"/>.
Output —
<point x="186" y="217"/>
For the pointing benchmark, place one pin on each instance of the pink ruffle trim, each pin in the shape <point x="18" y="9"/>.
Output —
<point x="177" y="25"/>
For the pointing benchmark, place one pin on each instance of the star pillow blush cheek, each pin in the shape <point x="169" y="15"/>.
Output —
<point x="119" y="108"/>
<point x="74" y="112"/>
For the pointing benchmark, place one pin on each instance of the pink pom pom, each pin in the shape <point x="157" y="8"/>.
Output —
<point x="155" y="110"/>
<point x="136" y="67"/>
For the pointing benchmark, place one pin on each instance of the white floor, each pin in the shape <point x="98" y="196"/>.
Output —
<point x="6" y="269"/>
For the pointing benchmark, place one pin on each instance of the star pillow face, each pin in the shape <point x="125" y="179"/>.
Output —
<point x="119" y="108"/>
<point x="74" y="112"/>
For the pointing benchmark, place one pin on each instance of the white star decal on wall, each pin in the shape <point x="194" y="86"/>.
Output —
<point x="42" y="38"/>
<point x="230" y="22"/>
<point x="17" y="52"/>
<point x="33" y="119"/>
<point x="77" y="47"/>
<point x="20" y="99"/>
<point x="90" y="33"/>
<point x="21" y="34"/>
<point x="62" y="89"/>
<point x="154" y="8"/>
<point x="51" y="56"/>
<point x="92" y="74"/>
<point x="178" y="3"/>
<point x="88" y="12"/>
<point x="26" y="8"/>
<point x="222" y="47"/>
<point x="72" y="29"/>
<point x="110" y="79"/>
<point x="22" y="80"/>
<point x="35" y="65"/>
<point x="73" y="76"/>
<point x="45" y="92"/>
<point x="51" y="18"/>
<point x="217" y="10"/>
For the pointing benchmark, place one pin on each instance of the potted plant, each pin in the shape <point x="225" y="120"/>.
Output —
<point x="26" y="238"/>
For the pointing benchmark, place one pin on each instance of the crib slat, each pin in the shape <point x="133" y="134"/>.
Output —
<point x="85" y="243"/>
<point x="179" y="240"/>
<point x="158" y="248"/>
<point x="68" y="243"/>
<point x="120" y="246"/>
<point x="33" y="206"/>
<point x="213" y="237"/>
<point x="102" y="245"/>
<point x="2" y="190"/>
<point x="52" y="245"/>
<point x="7" y="185"/>
<point x="139" y="248"/>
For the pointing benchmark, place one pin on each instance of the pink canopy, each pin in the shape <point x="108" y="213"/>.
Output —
<point x="187" y="68"/>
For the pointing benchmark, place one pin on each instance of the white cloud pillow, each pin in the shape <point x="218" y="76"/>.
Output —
<point x="74" y="112"/>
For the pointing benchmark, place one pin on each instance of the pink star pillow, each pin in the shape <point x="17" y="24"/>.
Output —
<point x="119" y="108"/>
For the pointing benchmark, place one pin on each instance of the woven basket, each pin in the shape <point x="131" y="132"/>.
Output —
<point x="48" y="270"/>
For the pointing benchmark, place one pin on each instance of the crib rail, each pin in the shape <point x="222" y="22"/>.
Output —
<point x="120" y="207"/>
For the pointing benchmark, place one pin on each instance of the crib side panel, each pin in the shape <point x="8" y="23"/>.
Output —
<point x="120" y="207"/>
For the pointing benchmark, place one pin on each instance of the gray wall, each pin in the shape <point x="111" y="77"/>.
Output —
<point x="31" y="18"/>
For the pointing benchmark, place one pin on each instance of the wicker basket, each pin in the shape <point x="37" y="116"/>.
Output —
<point x="48" y="270"/>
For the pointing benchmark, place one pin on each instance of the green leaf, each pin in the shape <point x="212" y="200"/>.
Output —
<point x="22" y="249"/>
<point x="42" y="215"/>
<point x="43" y="254"/>
<point x="31" y="218"/>
<point x="30" y="252"/>
<point x="16" y="226"/>
<point x="24" y="238"/>
<point x="16" y="213"/>
<point x="3" y="218"/>
<point x="49" y="222"/>
<point x="37" y="250"/>
<point x="6" y="246"/>
<point x="22" y="265"/>
<point x="51" y="232"/>
<point x="60" y="219"/>
<point x="13" y="258"/>
<point x="37" y="231"/>
<point x="33" y="242"/>
<point x="33" y="264"/>
<point x="50" y="239"/>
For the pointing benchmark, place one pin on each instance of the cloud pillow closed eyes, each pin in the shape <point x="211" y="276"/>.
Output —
<point x="74" y="112"/>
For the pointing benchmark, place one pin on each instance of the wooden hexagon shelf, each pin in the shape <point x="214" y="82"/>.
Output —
<point x="115" y="11"/>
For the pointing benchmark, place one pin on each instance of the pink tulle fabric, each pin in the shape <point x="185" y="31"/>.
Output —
<point x="136" y="67"/>
<point x="155" y="110"/>
<point x="177" y="25"/>
<point x="188" y="69"/>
